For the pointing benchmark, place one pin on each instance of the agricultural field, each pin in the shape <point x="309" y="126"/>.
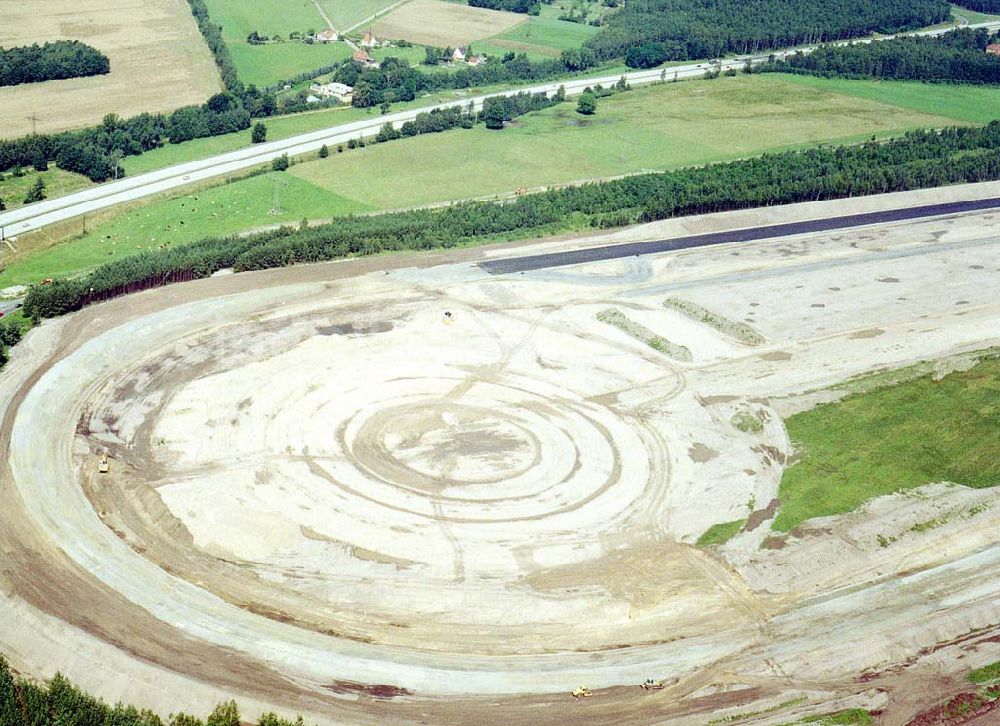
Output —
<point x="971" y="16"/>
<point x="347" y="16"/>
<point x="653" y="128"/>
<point x="893" y="438"/>
<point x="273" y="62"/>
<point x="159" y="62"/>
<point x="439" y="23"/>
<point x="542" y="36"/>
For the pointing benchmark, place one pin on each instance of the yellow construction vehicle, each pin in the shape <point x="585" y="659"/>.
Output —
<point x="581" y="692"/>
<point x="103" y="467"/>
<point x="651" y="685"/>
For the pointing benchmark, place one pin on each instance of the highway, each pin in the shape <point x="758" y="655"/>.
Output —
<point x="50" y="211"/>
<point x="527" y="263"/>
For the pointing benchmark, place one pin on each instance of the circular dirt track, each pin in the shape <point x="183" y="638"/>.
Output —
<point x="430" y="494"/>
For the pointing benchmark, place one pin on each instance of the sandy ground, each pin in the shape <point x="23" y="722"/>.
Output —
<point x="328" y="496"/>
<point x="159" y="61"/>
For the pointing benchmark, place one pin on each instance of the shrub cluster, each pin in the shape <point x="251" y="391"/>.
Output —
<point x="918" y="160"/>
<point x="61" y="59"/>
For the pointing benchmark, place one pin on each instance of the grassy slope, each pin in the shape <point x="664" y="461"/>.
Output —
<point x="658" y="127"/>
<point x="891" y="439"/>
<point x="971" y="15"/>
<point x="220" y="211"/>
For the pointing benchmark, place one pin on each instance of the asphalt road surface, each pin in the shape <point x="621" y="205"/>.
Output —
<point x="35" y="216"/>
<point x="633" y="249"/>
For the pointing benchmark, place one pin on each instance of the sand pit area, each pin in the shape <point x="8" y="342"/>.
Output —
<point x="403" y="490"/>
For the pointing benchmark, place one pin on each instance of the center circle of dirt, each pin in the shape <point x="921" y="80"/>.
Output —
<point x="433" y="445"/>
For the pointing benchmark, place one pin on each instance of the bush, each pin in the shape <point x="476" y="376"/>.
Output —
<point x="587" y="105"/>
<point x="258" y="134"/>
<point x="280" y="163"/>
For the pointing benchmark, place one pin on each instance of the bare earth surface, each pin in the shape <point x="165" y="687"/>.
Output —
<point x="436" y="22"/>
<point x="159" y="61"/>
<point x="328" y="496"/>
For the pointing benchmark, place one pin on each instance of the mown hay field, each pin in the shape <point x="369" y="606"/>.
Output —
<point x="433" y="22"/>
<point x="159" y="61"/>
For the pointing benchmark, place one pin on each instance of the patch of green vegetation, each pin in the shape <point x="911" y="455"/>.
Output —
<point x="848" y="717"/>
<point x="57" y="182"/>
<point x="543" y="35"/>
<point x="747" y="422"/>
<point x="264" y="65"/>
<point x="986" y="674"/>
<point x="974" y="104"/>
<point x="721" y="533"/>
<point x="740" y="331"/>
<point x="218" y="211"/>
<point x="618" y="319"/>
<point x="891" y="439"/>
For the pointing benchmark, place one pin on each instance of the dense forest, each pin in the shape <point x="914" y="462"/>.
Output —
<point x="61" y="59"/>
<point x="918" y="160"/>
<point x="532" y="7"/>
<point x="983" y="6"/>
<point x="60" y="703"/>
<point x="649" y="32"/>
<point x="955" y="57"/>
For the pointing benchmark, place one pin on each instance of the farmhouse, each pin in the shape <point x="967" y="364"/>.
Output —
<point x="340" y="91"/>
<point x="327" y="36"/>
<point x="458" y="55"/>
<point x="369" y="41"/>
<point x="993" y="49"/>
<point x="361" y="56"/>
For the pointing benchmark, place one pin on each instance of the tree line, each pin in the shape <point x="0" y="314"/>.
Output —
<point x="955" y="57"/>
<point x="531" y="7"/>
<point x="96" y="151"/>
<point x="51" y="61"/>
<point x="647" y="33"/>
<point x="60" y="703"/>
<point x="918" y="160"/>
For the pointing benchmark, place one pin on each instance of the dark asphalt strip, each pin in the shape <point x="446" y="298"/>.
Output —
<point x="631" y="249"/>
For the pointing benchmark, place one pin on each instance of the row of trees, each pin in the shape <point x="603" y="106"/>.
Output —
<point x="531" y="7"/>
<point x="60" y="703"/>
<point x="95" y="152"/>
<point x="649" y="32"/>
<point x="918" y="160"/>
<point x="955" y="57"/>
<point x="60" y="59"/>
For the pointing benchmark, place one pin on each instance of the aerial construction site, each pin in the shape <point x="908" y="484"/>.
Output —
<point x="411" y="490"/>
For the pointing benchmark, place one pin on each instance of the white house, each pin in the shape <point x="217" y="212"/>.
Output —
<point x="458" y="55"/>
<point x="327" y="36"/>
<point x="369" y="41"/>
<point x="341" y="91"/>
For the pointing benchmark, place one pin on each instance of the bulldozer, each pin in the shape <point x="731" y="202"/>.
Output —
<point x="582" y="692"/>
<point x="650" y="685"/>
<point x="103" y="466"/>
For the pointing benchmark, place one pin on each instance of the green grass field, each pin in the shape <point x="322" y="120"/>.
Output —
<point x="661" y="127"/>
<point x="218" y="211"/>
<point x="973" y="104"/>
<point x="971" y="15"/>
<point x="891" y="439"/>
<point x="543" y="36"/>
<point x="57" y="183"/>
<point x="652" y="128"/>
<point x="266" y="64"/>
<point x="720" y="533"/>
